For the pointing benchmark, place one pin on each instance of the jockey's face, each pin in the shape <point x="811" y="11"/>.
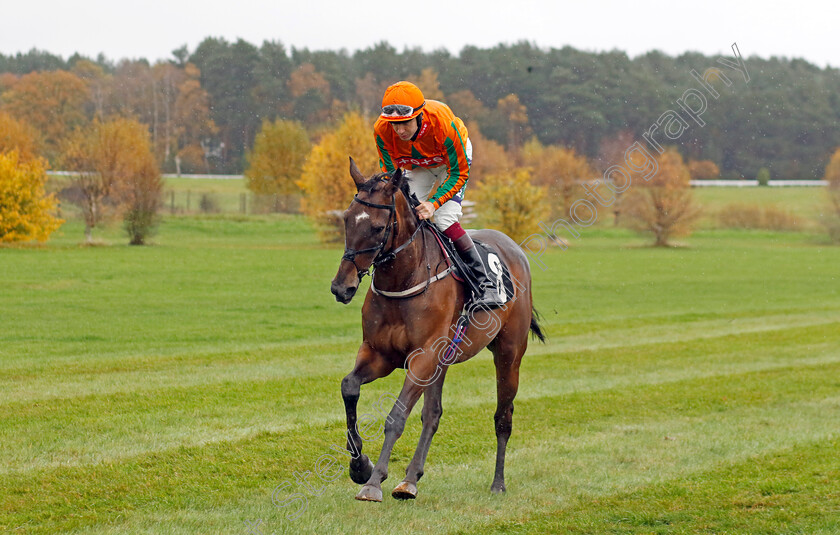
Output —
<point x="405" y="129"/>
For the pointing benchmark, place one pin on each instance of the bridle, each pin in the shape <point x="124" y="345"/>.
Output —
<point x="381" y="256"/>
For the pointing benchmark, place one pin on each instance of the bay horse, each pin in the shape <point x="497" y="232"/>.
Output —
<point x="407" y="320"/>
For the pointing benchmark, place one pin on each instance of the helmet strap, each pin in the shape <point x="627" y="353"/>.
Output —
<point x="419" y="126"/>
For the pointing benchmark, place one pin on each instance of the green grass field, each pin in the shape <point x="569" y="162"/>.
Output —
<point x="227" y="196"/>
<point x="171" y="389"/>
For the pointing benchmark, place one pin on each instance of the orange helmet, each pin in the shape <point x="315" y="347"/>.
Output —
<point x="402" y="101"/>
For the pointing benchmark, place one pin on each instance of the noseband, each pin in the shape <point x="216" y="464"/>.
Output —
<point x="381" y="256"/>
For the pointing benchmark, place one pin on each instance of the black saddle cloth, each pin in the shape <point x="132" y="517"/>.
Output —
<point x="497" y="270"/>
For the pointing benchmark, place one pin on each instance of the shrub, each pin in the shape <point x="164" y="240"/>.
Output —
<point x="754" y="216"/>
<point x="831" y="219"/>
<point x="116" y="168"/>
<point x="561" y="171"/>
<point x="703" y="170"/>
<point x="763" y="177"/>
<point x="326" y="183"/>
<point x="511" y="204"/>
<point x="208" y="204"/>
<point x="663" y="205"/>
<point x="832" y="224"/>
<point x="25" y="209"/>
<point x="143" y="197"/>
<point x="776" y="219"/>
<point x="19" y="136"/>
<point x="276" y="163"/>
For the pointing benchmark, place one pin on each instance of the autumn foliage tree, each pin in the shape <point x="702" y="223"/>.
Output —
<point x="489" y="157"/>
<point x="116" y="169"/>
<point x="310" y="91"/>
<point x="369" y="93"/>
<point x="142" y="196"/>
<point x="276" y="163"/>
<point x="19" y="136"/>
<point x="703" y="170"/>
<point x="832" y="176"/>
<point x="560" y="171"/>
<point x="467" y="107"/>
<point x="191" y="121"/>
<point x="510" y="203"/>
<point x="429" y="84"/>
<point x="52" y="102"/>
<point x="326" y="183"/>
<point x="26" y="211"/>
<point x="514" y="116"/>
<point x="663" y="205"/>
<point x="100" y="86"/>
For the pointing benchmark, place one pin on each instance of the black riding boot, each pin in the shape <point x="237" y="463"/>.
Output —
<point x="489" y="296"/>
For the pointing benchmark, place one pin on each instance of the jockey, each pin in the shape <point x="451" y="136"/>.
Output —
<point x="426" y="139"/>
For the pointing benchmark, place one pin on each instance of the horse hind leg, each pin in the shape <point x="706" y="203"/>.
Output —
<point x="507" y="359"/>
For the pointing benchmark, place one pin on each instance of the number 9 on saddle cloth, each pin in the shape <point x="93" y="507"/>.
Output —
<point x="498" y="272"/>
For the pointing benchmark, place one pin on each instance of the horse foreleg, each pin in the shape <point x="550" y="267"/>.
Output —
<point x="394" y="426"/>
<point x="369" y="366"/>
<point x="432" y="411"/>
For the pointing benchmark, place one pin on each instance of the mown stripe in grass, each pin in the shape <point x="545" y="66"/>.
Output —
<point x="80" y="376"/>
<point x="110" y="374"/>
<point x="795" y="490"/>
<point x="585" y="435"/>
<point x="616" y="331"/>
<point x="76" y="431"/>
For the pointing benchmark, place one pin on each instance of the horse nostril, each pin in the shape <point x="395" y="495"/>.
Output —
<point x="336" y="288"/>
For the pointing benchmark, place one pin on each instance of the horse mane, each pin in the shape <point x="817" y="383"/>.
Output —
<point x="378" y="180"/>
<point x="371" y="184"/>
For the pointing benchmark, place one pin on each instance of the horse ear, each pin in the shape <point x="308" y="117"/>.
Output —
<point x="397" y="180"/>
<point x="357" y="175"/>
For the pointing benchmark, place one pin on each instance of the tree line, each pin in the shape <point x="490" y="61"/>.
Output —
<point x="204" y="107"/>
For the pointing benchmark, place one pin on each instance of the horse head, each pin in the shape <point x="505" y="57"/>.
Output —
<point x="370" y="228"/>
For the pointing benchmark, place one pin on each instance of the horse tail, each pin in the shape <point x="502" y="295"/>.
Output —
<point x="536" y="330"/>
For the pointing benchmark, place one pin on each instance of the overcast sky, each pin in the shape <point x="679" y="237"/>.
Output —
<point x="152" y="29"/>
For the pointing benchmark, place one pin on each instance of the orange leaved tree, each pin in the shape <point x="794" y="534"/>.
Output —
<point x="514" y="117"/>
<point x="326" y="183"/>
<point x="52" y="102"/>
<point x="703" y="170"/>
<point x="560" y="171"/>
<point x="19" y="136"/>
<point x="115" y="169"/>
<point x="489" y="157"/>
<point x="832" y="217"/>
<point x="510" y="203"/>
<point x="663" y="205"/>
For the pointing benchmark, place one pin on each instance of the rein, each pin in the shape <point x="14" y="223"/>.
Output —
<point x="383" y="257"/>
<point x="350" y="254"/>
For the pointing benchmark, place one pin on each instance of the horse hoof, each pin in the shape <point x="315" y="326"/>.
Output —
<point x="497" y="488"/>
<point x="361" y="469"/>
<point x="405" y="491"/>
<point x="369" y="493"/>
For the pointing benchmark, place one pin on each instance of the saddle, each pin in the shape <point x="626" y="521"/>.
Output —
<point x="493" y="263"/>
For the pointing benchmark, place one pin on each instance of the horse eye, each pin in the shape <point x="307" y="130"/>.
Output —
<point x="377" y="229"/>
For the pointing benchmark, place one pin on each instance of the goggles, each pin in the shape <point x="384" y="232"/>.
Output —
<point x="399" y="110"/>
